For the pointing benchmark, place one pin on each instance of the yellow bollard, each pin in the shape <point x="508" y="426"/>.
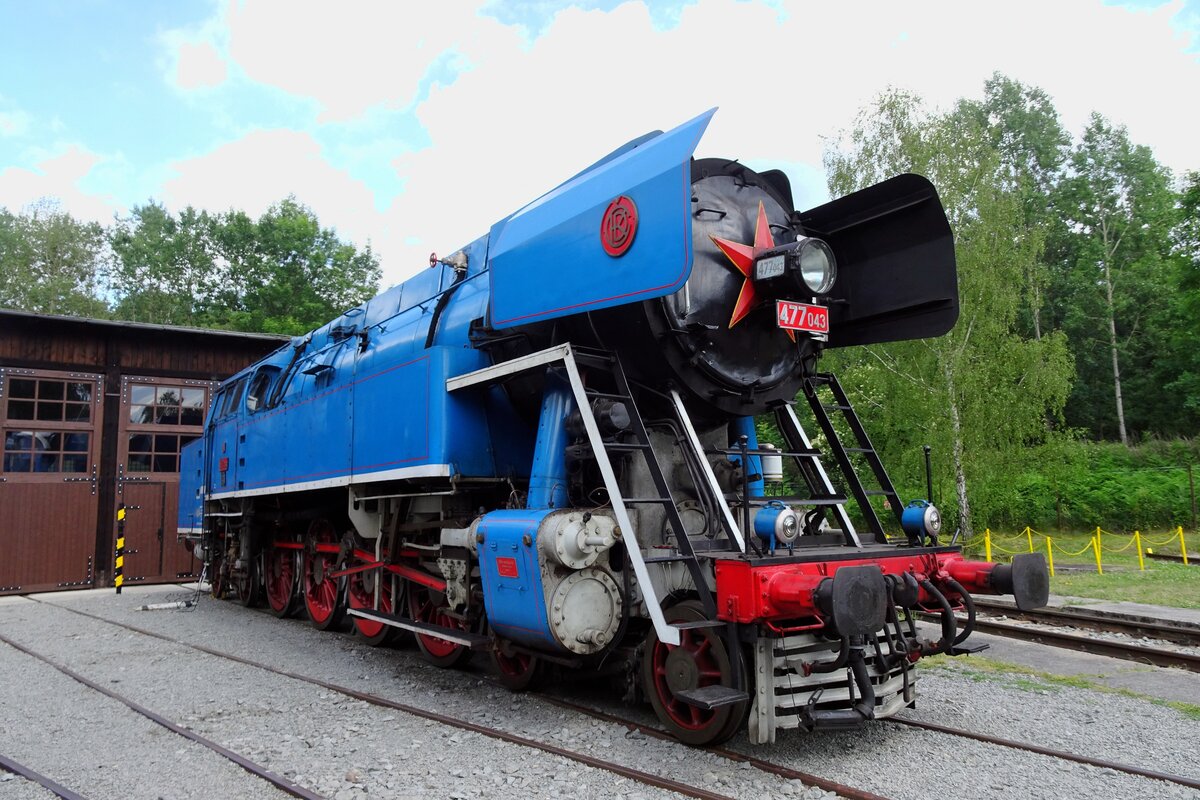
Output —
<point x="1096" y="549"/>
<point x="1029" y="536"/>
<point x="1050" y="554"/>
<point x="987" y="544"/>
<point x="1137" y="539"/>
<point x="1182" y="546"/>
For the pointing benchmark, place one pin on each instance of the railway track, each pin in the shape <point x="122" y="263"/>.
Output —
<point x="8" y="765"/>
<point x="1047" y="751"/>
<point x="646" y="778"/>
<point x="1078" y="618"/>
<point x="294" y="789"/>
<point x="1083" y="618"/>
<point x="780" y="770"/>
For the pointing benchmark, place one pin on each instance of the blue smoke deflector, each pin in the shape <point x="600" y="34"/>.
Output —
<point x="548" y="261"/>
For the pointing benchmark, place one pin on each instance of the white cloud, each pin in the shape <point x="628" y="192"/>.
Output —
<point x="521" y="115"/>
<point x="194" y="57"/>
<point x="199" y="66"/>
<point x="58" y="176"/>
<point x="263" y="168"/>
<point x="348" y="56"/>
<point x="14" y="123"/>
<point x="783" y="81"/>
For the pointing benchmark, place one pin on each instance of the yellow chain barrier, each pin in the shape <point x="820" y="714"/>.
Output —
<point x="1095" y="543"/>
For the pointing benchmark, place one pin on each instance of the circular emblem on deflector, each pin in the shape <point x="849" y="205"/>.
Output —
<point x="618" y="226"/>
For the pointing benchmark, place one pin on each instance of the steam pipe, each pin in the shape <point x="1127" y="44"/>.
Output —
<point x="548" y="475"/>
<point x="968" y="604"/>
<point x="948" y="625"/>
<point x="862" y="711"/>
<point x="832" y="664"/>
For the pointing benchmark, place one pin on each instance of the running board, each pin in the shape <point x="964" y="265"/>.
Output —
<point x="707" y="698"/>
<point x="473" y="641"/>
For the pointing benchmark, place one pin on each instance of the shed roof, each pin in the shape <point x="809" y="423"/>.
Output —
<point x="11" y="316"/>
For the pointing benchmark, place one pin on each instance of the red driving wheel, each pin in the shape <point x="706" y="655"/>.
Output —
<point x="701" y="659"/>
<point x="322" y="593"/>
<point x="518" y="670"/>
<point x="361" y="592"/>
<point x="425" y="606"/>
<point x="279" y="579"/>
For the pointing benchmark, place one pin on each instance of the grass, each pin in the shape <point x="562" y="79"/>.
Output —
<point x="979" y="668"/>
<point x="1162" y="583"/>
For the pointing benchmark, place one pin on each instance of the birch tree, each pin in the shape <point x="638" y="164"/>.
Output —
<point x="983" y="390"/>
<point x="1118" y="208"/>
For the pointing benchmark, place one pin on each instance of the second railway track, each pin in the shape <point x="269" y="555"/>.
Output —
<point x="1081" y="620"/>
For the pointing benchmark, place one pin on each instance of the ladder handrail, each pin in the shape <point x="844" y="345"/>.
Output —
<point x="683" y="542"/>
<point x="842" y="402"/>
<point x="789" y="415"/>
<point x="667" y="633"/>
<point x="731" y="526"/>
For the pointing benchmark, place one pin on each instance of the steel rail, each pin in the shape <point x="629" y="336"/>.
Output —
<point x="294" y="789"/>
<point x="841" y="789"/>
<point x="15" y="768"/>
<point x="1181" y="633"/>
<point x="1127" y="651"/>
<point x="1049" y="751"/>
<point x="1193" y="558"/>
<point x="857" y="794"/>
<point x="640" y="776"/>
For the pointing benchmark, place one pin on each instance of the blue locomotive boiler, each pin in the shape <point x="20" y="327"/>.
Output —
<point x="543" y="447"/>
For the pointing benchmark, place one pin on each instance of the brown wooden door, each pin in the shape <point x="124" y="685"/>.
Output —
<point x="50" y="435"/>
<point x="145" y="529"/>
<point x="158" y="416"/>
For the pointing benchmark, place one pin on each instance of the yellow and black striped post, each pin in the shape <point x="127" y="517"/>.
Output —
<point x="118" y="572"/>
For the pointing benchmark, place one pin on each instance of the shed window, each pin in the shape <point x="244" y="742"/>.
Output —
<point x="155" y="452"/>
<point x="49" y="400"/>
<point x="166" y="405"/>
<point x="46" y="451"/>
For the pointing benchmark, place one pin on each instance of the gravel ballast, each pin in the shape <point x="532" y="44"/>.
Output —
<point x="344" y="748"/>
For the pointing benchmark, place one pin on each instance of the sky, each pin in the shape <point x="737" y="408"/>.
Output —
<point x="415" y="126"/>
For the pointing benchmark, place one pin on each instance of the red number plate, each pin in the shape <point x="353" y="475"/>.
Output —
<point x="801" y="316"/>
<point x="507" y="567"/>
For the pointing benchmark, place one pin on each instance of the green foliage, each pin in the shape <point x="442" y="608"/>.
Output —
<point x="282" y="273"/>
<point x="983" y="391"/>
<point x="1079" y="485"/>
<point x="50" y="263"/>
<point x="1113" y="259"/>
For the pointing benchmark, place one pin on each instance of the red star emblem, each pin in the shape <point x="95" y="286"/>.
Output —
<point x="742" y="257"/>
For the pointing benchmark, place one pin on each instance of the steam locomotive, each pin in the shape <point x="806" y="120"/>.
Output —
<point x="544" y="447"/>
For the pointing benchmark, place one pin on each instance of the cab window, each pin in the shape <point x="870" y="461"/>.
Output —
<point x="233" y="396"/>
<point x="260" y="388"/>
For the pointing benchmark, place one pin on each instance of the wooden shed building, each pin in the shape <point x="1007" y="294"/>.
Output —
<point x="93" y="413"/>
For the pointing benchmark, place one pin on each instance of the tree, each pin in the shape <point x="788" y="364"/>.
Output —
<point x="165" y="271"/>
<point x="1181" y="363"/>
<point x="1022" y="126"/>
<point x="294" y="275"/>
<point x="51" y="263"/>
<point x="982" y="391"/>
<point x="1118" y="210"/>
<point x="283" y="273"/>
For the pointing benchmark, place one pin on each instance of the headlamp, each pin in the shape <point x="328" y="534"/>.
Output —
<point x="806" y="265"/>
